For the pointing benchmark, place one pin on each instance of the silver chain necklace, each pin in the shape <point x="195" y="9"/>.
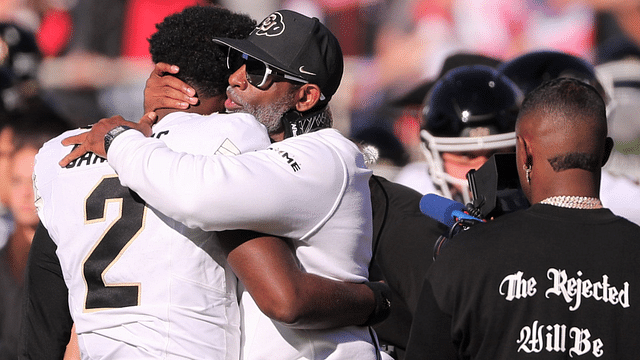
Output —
<point x="573" y="202"/>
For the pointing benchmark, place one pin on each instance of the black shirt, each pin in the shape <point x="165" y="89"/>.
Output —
<point x="403" y="251"/>
<point x="543" y="283"/>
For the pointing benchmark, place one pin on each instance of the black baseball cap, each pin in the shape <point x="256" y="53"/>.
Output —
<point x="297" y="45"/>
<point x="531" y="69"/>
<point x="416" y="96"/>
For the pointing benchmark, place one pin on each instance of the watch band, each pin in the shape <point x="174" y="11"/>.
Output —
<point x="382" y="293"/>
<point x="111" y="134"/>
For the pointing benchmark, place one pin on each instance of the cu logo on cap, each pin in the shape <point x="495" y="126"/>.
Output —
<point x="271" y="26"/>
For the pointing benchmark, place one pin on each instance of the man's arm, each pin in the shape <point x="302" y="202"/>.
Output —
<point x="205" y="191"/>
<point x="269" y="271"/>
<point x="46" y="321"/>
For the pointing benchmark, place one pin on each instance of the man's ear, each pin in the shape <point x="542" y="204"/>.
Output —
<point x="523" y="153"/>
<point x="608" y="147"/>
<point x="308" y="97"/>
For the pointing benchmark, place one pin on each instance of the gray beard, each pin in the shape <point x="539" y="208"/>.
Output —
<point x="268" y="115"/>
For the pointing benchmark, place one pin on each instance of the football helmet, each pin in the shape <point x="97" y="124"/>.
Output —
<point x="469" y="109"/>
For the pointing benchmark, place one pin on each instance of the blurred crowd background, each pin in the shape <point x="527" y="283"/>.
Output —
<point x="88" y="59"/>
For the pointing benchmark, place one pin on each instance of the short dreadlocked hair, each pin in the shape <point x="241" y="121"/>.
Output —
<point x="185" y="39"/>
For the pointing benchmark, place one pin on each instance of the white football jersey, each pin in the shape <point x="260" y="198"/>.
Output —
<point x="141" y="285"/>
<point x="312" y="189"/>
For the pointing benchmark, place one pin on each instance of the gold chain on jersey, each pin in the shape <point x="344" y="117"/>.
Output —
<point x="573" y="202"/>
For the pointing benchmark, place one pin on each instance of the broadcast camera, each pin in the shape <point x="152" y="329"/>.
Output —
<point x="495" y="189"/>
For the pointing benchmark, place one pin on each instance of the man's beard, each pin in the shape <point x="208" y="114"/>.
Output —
<point x="269" y="115"/>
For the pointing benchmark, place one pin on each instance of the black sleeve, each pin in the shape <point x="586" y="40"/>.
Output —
<point x="430" y="335"/>
<point x="46" y="320"/>
<point x="404" y="238"/>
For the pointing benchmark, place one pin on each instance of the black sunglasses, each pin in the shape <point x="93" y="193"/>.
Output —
<point x="259" y="73"/>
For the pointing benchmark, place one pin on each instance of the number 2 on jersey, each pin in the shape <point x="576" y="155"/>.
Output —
<point x="112" y="244"/>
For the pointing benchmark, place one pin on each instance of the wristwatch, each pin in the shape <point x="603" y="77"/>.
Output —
<point x="109" y="136"/>
<point x="382" y="294"/>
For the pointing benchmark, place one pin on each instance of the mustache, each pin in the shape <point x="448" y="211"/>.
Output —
<point x="232" y="94"/>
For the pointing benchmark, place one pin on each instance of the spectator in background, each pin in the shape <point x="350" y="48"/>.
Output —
<point x="30" y="130"/>
<point x="32" y="113"/>
<point x="13" y="258"/>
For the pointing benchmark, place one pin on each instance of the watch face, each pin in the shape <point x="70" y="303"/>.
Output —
<point x="111" y="134"/>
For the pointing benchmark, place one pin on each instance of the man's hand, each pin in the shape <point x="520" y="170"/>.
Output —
<point x="93" y="140"/>
<point x="164" y="91"/>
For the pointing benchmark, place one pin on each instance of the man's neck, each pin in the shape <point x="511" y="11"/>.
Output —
<point x="164" y="112"/>
<point x="277" y="136"/>
<point x="580" y="183"/>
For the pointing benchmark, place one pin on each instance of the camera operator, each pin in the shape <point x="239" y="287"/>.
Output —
<point x="554" y="281"/>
